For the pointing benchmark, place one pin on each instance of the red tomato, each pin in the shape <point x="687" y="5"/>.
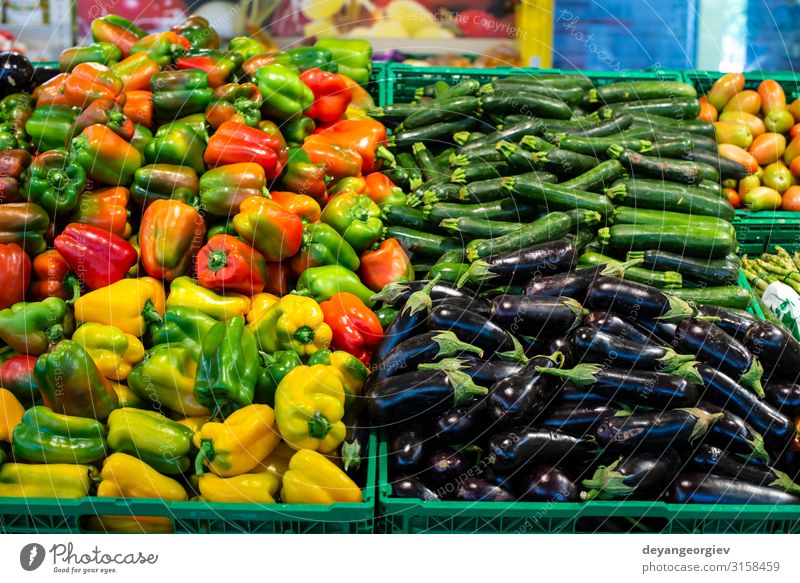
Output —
<point x="707" y="111"/>
<point x="791" y="199"/>
<point x="733" y="197"/>
<point x="794" y="131"/>
<point x="794" y="167"/>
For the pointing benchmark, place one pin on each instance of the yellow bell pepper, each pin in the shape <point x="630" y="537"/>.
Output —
<point x="184" y="291"/>
<point x="237" y="446"/>
<point x="293" y="323"/>
<point x="194" y="422"/>
<point x="46" y="480"/>
<point x="125" y="476"/>
<point x="11" y="411"/>
<point x="130" y="524"/>
<point x="127" y="398"/>
<point x="112" y="350"/>
<point x="129" y="304"/>
<point x="309" y="406"/>
<point x="277" y="462"/>
<point x="254" y="488"/>
<point x="314" y="479"/>
<point x="259" y="304"/>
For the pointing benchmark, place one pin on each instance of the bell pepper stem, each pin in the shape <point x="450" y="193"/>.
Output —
<point x="217" y="259"/>
<point x="206" y="452"/>
<point x="304" y="335"/>
<point x="318" y="426"/>
<point x="54" y="334"/>
<point x="150" y="315"/>
<point x="71" y="282"/>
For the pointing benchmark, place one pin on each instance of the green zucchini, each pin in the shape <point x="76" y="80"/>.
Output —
<point x="614" y="125"/>
<point x="671" y="148"/>
<point x="417" y="242"/>
<point x="431" y="90"/>
<point x="725" y="270"/>
<point x="605" y="173"/>
<point x="691" y="240"/>
<point x="443" y="109"/>
<point x="641" y="166"/>
<point x="624" y="215"/>
<point x="583" y="218"/>
<point x="713" y="188"/>
<point x="547" y="228"/>
<point x="681" y="126"/>
<point x="569" y="95"/>
<point x="581" y="239"/>
<point x="632" y="91"/>
<point x="564" y="162"/>
<point x="509" y="133"/>
<point x="502" y="103"/>
<point x="658" y="195"/>
<point x="394" y="112"/>
<point x="405" y="160"/>
<point x="430" y="169"/>
<point x="461" y="89"/>
<point x="454" y="256"/>
<point x="535" y="144"/>
<point x="659" y="279"/>
<point x="450" y="271"/>
<point x="442" y="159"/>
<point x="637" y="139"/>
<point x="404" y="216"/>
<point x="430" y="193"/>
<point x="477" y="172"/>
<point x="439" y="132"/>
<point x="496" y="188"/>
<point x="565" y="80"/>
<point x="558" y="197"/>
<point x="723" y="296"/>
<point x="678" y="108"/>
<point x="506" y="209"/>
<point x="472" y="227"/>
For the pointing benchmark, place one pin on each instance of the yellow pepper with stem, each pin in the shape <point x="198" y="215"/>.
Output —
<point x="129" y="304"/>
<point x="314" y="479"/>
<point x="254" y="488"/>
<point x="184" y="291"/>
<point x="112" y="350"/>
<point x="11" y="411"/>
<point x="125" y="476"/>
<point x="293" y="323"/>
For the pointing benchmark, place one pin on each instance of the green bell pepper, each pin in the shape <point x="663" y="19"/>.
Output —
<point x="177" y="144"/>
<point x="50" y="125"/>
<point x="16" y="109"/>
<point x="141" y="137"/>
<point x="354" y="57"/>
<point x="223" y="189"/>
<point x="386" y="315"/>
<point x="51" y="438"/>
<point x="33" y="327"/>
<point x="100" y="52"/>
<point x="356" y="217"/>
<point x="303" y="176"/>
<point x="305" y="58"/>
<point x="178" y="93"/>
<point x="323" y="245"/>
<point x="12" y="138"/>
<point x="25" y="224"/>
<point x="322" y="283"/>
<point x="166" y="377"/>
<point x="196" y="121"/>
<point x="198" y="31"/>
<point x="228" y="369"/>
<point x="274" y="367"/>
<point x="158" y="441"/>
<point x="285" y="95"/>
<point x="295" y="131"/>
<point x="70" y="383"/>
<point x="55" y="182"/>
<point x="165" y="181"/>
<point x="246" y="46"/>
<point x="184" y="327"/>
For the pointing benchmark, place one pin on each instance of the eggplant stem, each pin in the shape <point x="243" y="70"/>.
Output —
<point x="704" y="421"/>
<point x="450" y="345"/>
<point x="516" y="355"/>
<point x="751" y="378"/>
<point x="446" y="364"/>
<point x="678" y="310"/>
<point x="582" y="375"/>
<point x="464" y="388"/>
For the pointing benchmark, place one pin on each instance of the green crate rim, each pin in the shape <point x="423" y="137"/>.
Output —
<point x="759" y="232"/>
<point x="194" y="516"/>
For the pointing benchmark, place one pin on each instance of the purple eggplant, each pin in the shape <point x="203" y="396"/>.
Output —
<point x="733" y="434"/>
<point x="654" y="389"/>
<point x="520" y="264"/>
<point x="636" y="301"/>
<point x="536" y="316"/>
<point x="635" y="475"/>
<point x="713" y="346"/>
<point x="445" y="468"/>
<point x="478" y="331"/>
<point x="518" y="399"/>
<point x="573" y="396"/>
<point x="410" y="487"/>
<point x="785" y="397"/>
<point x="408" y="322"/>
<point x="462" y="424"/>
<point x="420" y="394"/>
<point x="713" y="460"/>
<point x="776" y="349"/>
<point x="475" y="489"/>
<point x="476" y="305"/>
<point x="777" y="430"/>
<point x="548" y="484"/>
<point x="696" y="488"/>
<point x="511" y="450"/>
<point x="734" y="322"/>
<point x="397" y="294"/>
<point x="422" y="348"/>
<point x="483" y="372"/>
<point x="591" y="345"/>
<point x="573" y="284"/>
<point x="616" y="326"/>
<point x="557" y="344"/>
<point x="407" y="450"/>
<point x="576" y="420"/>
<point x="678" y="428"/>
<point x="664" y="332"/>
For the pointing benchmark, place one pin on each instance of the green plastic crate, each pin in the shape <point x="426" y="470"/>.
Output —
<point x="377" y="86"/>
<point x="48" y="516"/>
<point x="760" y="232"/>
<point x="404" y="80"/>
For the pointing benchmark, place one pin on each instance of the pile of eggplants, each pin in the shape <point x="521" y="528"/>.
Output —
<point x="564" y="385"/>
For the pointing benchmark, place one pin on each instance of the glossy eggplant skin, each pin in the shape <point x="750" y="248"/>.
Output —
<point x="613" y="324"/>
<point x="409" y="322"/>
<point x="557" y="344"/>
<point x="536" y="316"/>
<point x="471" y="328"/>
<point x="476" y="305"/>
<point x="636" y="387"/>
<point x="647" y="431"/>
<point x="640" y="474"/>
<point x="407" y="450"/>
<point x="521" y="264"/>
<point x="475" y="489"/>
<point x="410" y="487"/>
<point x="517" y="400"/>
<point x="487" y="372"/>
<point x="396" y="294"/>
<point x="713" y="346"/>
<point x="591" y="345"/>
<point x="713" y="460"/>
<point x="576" y="420"/>
<point x="776" y="429"/>
<point x="734" y="322"/>
<point x="733" y="434"/>
<point x="443" y="469"/>
<point x="573" y="284"/>
<point x="355" y="447"/>
<point x="407" y="355"/>
<point x="548" y="484"/>
<point x="570" y="395"/>
<point x="776" y="349"/>
<point x="16" y="74"/>
<point x="696" y="488"/>
<point x="785" y="397"/>
<point x="463" y="424"/>
<point x="632" y="300"/>
<point x="510" y="450"/>
<point x="663" y="332"/>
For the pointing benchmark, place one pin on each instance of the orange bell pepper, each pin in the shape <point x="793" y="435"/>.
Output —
<point x="90" y="81"/>
<point x="269" y="227"/>
<point x="135" y="71"/>
<point x="302" y="205"/>
<point x="386" y="264"/>
<point x="170" y="234"/>
<point x="106" y="209"/>
<point x="366" y="136"/>
<point x="356" y="328"/>
<point x="139" y="107"/>
<point x="51" y="92"/>
<point x="382" y="190"/>
<point x="53" y="278"/>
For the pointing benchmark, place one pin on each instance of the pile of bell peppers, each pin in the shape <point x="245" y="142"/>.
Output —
<point x="191" y="235"/>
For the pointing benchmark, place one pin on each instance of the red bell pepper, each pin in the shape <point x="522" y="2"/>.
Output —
<point x="218" y="66"/>
<point x="118" y="31"/>
<point x="279" y="278"/>
<point x="14" y="165"/>
<point x="135" y="72"/>
<point x="269" y="227"/>
<point x="382" y="190"/>
<point x="236" y="142"/>
<point x="228" y="264"/>
<point x="365" y="136"/>
<point x="339" y="160"/>
<point x="302" y="205"/>
<point x="331" y="95"/>
<point x="105" y="209"/>
<point x="356" y="328"/>
<point x="139" y="107"/>
<point x="15" y="266"/>
<point x="53" y="278"/>
<point x="170" y="234"/>
<point x="98" y="257"/>
<point x="91" y="81"/>
<point x="303" y="176"/>
<point x="16" y="375"/>
<point x="386" y="264"/>
<point x="51" y="92"/>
